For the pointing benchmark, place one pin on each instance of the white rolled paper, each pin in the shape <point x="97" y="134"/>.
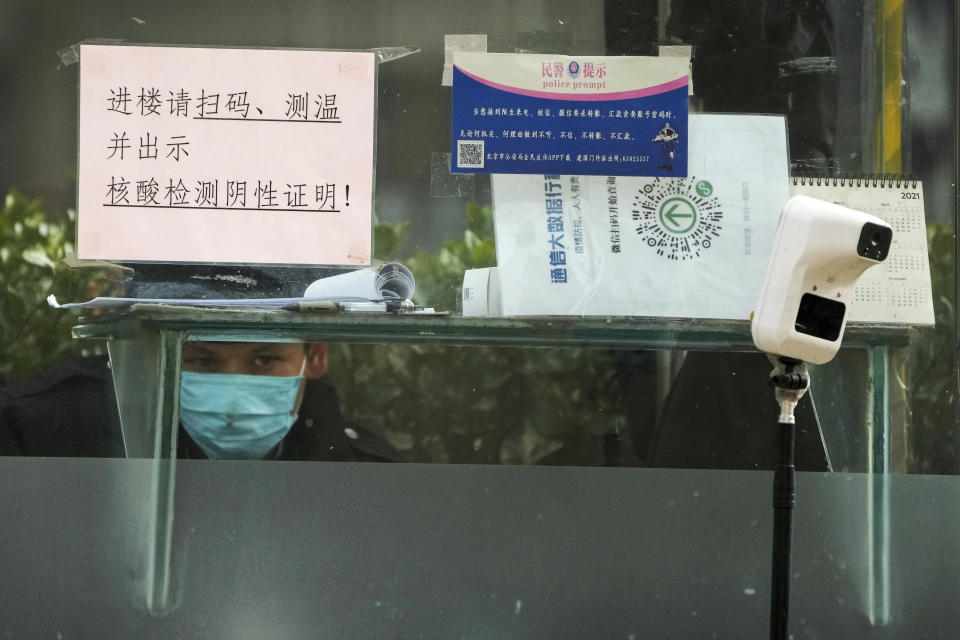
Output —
<point x="390" y="280"/>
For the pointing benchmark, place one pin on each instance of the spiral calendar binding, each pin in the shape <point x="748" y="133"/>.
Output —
<point x="882" y="180"/>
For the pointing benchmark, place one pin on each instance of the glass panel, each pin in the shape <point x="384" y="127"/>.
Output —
<point x="581" y="392"/>
<point x="849" y="79"/>
<point x="464" y="551"/>
<point x="155" y="546"/>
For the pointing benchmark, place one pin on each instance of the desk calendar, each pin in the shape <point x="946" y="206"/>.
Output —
<point x="897" y="291"/>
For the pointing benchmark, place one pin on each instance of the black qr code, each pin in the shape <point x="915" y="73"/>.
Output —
<point x="470" y="154"/>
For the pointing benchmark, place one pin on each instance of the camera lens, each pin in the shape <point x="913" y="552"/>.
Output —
<point x="874" y="241"/>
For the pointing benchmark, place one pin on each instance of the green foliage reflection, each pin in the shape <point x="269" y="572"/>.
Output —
<point x="32" y="249"/>
<point x="931" y="371"/>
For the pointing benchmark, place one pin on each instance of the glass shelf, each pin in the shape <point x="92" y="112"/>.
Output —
<point x="145" y="349"/>
<point x="265" y="324"/>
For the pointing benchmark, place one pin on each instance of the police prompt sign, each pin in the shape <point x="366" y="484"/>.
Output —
<point x="551" y="114"/>
<point x="199" y="155"/>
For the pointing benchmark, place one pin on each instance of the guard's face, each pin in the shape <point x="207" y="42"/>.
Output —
<point x="249" y="358"/>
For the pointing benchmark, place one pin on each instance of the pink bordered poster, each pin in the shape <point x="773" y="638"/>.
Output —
<point x="213" y="155"/>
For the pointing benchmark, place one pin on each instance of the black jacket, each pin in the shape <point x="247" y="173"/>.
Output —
<point x="71" y="410"/>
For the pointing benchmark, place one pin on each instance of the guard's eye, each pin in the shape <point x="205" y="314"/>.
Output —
<point x="199" y="362"/>
<point x="266" y="361"/>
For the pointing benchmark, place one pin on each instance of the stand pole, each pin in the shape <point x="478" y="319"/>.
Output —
<point x="791" y="381"/>
<point x="784" y="497"/>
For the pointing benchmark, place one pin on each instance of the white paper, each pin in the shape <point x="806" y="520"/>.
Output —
<point x="391" y="280"/>
<point x="480" y="294"/>
<point x="108" y="302"/>
<point x="225" y="155"/>
<point x="693" y="247"/>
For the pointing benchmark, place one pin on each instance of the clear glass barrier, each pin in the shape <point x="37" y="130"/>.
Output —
<point x="585" y="379"/>
<point x="364" y="550"/>
<point x="858" y="96"/>
<point x="542" y="545"/>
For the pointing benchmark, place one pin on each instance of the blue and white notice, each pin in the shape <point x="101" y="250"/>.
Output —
<point x="552" y="114"/>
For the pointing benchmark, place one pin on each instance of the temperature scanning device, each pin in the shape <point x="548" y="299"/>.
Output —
<point x="819" y="252"/>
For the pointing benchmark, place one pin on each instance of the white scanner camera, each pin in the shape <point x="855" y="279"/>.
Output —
<point x="819" y="252"/>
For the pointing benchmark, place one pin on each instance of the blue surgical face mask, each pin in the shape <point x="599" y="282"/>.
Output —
<point x="235" y="416"/>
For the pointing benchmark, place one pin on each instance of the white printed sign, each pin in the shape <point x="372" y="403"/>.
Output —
<point x="693" y="247"/>
<point x="197" y="155"/>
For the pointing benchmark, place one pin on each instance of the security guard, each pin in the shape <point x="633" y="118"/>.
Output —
<point x="238" y="401"/>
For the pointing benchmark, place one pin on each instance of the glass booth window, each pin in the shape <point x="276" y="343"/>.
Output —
<point x="592" y="464"/>
<point x="858" y="97"/>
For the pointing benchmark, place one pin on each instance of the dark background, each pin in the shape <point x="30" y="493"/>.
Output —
<point x="38" y="111"/>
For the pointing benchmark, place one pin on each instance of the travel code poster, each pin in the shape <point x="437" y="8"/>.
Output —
<point x="217" y="155"/>
<point x="551" y="114"/>
<point x="690" y="247"/>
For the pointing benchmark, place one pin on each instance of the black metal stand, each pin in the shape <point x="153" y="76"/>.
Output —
<point x="791" y="381"/>
<point x="784" y="497"/>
